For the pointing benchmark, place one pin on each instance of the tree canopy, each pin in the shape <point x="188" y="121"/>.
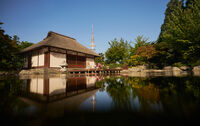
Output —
<point x="118" y="51"/>
<point x="100" y="59"/>
<point x="9" y="51"/>
<point x="179" y="39"/>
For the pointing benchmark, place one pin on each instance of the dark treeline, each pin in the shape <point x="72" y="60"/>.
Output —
<point x="178" y="43"/>
<point x="10" y="47"/>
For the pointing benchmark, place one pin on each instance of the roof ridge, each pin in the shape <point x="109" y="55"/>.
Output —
<point x="50" y="32"/>
<point x="57" y="40"/>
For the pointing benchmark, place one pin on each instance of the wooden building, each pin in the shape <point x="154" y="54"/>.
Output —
<point x="57" y="50"/>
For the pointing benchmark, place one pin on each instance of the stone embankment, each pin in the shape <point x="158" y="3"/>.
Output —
<point x="139" y="71"/>
<point x="41" y="71"/>
<point x="196" y="70"/>
<point x="143" y="71"/>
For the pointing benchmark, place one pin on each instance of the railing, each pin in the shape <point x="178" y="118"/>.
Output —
<point x="94" y="71"/>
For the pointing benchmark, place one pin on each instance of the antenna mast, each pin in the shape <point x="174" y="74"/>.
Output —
<point x="92" y="41"/>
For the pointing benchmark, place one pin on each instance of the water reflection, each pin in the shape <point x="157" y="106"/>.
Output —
<point x="174" y="96"/>
<point x="133" y="94"/>
<point x="57" y="96"/>
<point x="48" y="89"/>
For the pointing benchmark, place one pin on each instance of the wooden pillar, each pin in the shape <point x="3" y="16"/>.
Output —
<point x="47" y="59"/>
<point x="66" y="57"/>
<point x="29" y="60"/>
<point x="76" y="59"/>
<point x="38" y="58"/>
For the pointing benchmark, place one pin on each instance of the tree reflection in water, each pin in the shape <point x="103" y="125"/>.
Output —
<point x="120" y="93"/>
<point x="163" y="97"/>
<point x="10" y="103"/>
<point x="176" y="96"/>
<point x="180" y="96"/>
<point x="126" y="91"/>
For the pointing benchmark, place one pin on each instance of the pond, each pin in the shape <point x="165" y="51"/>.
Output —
<point x="99" y="100"/>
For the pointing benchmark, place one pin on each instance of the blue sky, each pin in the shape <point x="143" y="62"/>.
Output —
<point x="31" y="20"/>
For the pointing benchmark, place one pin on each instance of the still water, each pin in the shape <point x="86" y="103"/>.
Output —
<point x="99" y="100"/>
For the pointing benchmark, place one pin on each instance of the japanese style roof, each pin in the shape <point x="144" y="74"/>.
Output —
<point x="54" y="39"/>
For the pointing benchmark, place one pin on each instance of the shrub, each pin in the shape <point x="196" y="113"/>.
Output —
<point x="197" y="63"/>
<point x="178" y="64"/>
<point x="114" y="65"/>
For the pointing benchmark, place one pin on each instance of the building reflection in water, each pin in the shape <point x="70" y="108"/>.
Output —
<point x="54" y="90"/>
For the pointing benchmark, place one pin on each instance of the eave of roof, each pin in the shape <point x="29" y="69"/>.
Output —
<point x="54" y="39"/>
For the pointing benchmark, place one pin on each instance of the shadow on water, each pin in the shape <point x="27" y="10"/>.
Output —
<point x="99" y="100"/>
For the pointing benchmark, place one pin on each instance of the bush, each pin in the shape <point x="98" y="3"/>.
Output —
<point x="136" y="60"/>
<point x="197" y="63"/>
<point x="178" y="64"/>
<point x="114" y="65"/>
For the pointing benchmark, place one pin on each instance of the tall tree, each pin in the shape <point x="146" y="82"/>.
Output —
<point x="180" y="32"/>
<point x="191" y="21"/>
<point x="171" y="25"/>
<point x="9" y="58"/>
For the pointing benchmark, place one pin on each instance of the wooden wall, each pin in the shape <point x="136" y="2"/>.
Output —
<point x="55" y="57"/>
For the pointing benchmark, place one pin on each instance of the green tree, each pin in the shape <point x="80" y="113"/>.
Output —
<point x="10" y="47"/>
<point x="24" y="44"/>
<point x="180" y="33"/>
<point x="171" y="25"/>
<point x="192" y="31"/>
<point x="136" y="60"/>
<point x="172" y="30"/>
<point x="9" y="58"/>
<point x="163" y="55"/>
<point x="139" y="42"/>
<point x="118" y="51"/>
<point x="140" y="51"/>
